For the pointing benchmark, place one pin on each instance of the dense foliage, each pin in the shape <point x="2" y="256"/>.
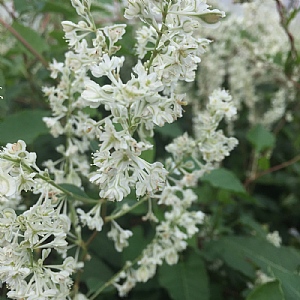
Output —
<point x="150" y="149"/>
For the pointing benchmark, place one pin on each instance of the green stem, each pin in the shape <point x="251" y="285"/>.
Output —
<point x="160" y="34"/>
<point x="124" y="212"/>
<point x="113" y="278"/>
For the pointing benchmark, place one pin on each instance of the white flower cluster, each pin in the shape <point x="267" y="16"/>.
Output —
<point x="148" y="98"/>
<point x="26" y="240"/>
<point x="250" y="55"/>
<point x="17" y="167"/>
<point x="171" y="237"/>
<point x="170" y="36"/>
<point x="192" y="157"/>
<point x="169" y="52"/>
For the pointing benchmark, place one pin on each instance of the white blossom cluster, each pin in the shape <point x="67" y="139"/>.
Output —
<point x="169" y="50"/>
<point x="192" y="157"/>
<point x="171" y="237"/>
<point x="250" y="54"/>
<point x="27" y="239"/>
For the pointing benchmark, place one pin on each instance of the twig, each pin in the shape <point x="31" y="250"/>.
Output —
<point x="272" y="169"/>
<point x="291" y="38"/>
<point x="25" y="43"/>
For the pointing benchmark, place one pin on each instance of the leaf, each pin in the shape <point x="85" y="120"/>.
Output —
<point x="224" y="179"/>
<point x="281" y="263"/>
<point x="172" y="130"/>
<point x="261" y="138"/>
<point x="32" y="37"/>
<point x="148" y="155"/>
<point x="59" y="7"/>
<point x="185" y="280"/>
<point x="25" y="125"/>
<point x="74" y="189"/>
<point x="270" y="290"/>
<point x="96" y="273"/>
<point x="290" y="283"/>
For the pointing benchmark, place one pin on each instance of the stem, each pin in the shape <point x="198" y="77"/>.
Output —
<point x="272" y="169"/>
<point x="113" y="278"/>
<point x="24" y="42"/>
<point x="283" y="22"/>
<point x="160" y="34"/>
<point x="124" y="212"/>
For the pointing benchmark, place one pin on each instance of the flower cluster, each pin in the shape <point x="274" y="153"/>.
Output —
<point x="29" y="238"/>
<point x="169" y="51"/>
<point x="171" y="237"/>
<point x="192" y="157"/>
<point x="17" y="170"/>
<point x="247" y="70"/>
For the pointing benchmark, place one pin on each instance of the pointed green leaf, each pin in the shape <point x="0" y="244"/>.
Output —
<point x="281" y="263"/>
<point x="261" y="138"/>
<point x="25" y="125"/>
<point x="270" y="290"/>
<point x="224" y="179"/>
<point x="32" y="37"/>
<point x="185" y="280"/>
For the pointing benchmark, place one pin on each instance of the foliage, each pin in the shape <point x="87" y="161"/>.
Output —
<point x="151" y="156"/>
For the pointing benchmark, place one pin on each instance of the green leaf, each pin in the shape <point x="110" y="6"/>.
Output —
<point x="74" y="189"/>
<point x="246" y="253"/>
<point x="25" y="125"/>
<point x="148" y="155"/>
<point x="59" y="7"/>
<point x="270" y="290"/>
<point x="261" y="138"/>
<point x="290" y="283"/>
<point x="96" y="273"/>
<point x="186" y="280"/>
<point x="224" y="179"/>
<point x="32" y="37"/>
<point x="172" y="130"/>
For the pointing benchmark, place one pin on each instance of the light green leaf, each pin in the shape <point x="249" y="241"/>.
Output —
<point x="25" y="125"/>
<point x="32" y="37"/>
<point x="224" y="179"/>
<point x="261" y="138"/>
<point x="186" y="280"/>
<point x="270" y="290"/>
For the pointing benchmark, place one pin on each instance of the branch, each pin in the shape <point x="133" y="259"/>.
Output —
<point x="24" y="42"/>
<point x="273" y="169"/>
<point x="284" y="25"/>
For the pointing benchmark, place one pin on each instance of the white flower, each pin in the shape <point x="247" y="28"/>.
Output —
<point x="119" y="236"/>
<point x="274" y="238"/>
<point x="8" y="184"/>
<point x="92" y="218"/>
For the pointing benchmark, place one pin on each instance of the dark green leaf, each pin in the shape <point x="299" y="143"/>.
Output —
<point x="224" y="179"/>
<point x="170" y="130"/>
<point x="290" y="282"/>
<point x="249" y="253"/>
<point x="270" y="290"/>
<point x="74" y="189"/>
<point x="186" y="280"/>
<point x="25" y="125"/>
